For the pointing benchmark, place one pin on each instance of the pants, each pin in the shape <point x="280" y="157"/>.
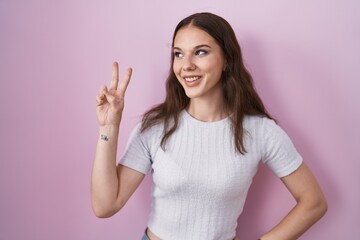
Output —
<point x="145" y="237"/>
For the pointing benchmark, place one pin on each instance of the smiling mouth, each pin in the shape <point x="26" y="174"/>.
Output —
<point x="192" y="79"/>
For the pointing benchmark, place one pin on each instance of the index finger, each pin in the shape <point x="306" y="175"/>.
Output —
<point x="115" y="76"/>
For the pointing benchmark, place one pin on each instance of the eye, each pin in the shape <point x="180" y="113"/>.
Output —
<point x="178" y="54"/>
<point x="200" y="52"/>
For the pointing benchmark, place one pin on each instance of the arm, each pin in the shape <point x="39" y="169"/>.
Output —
<point x="111" y="185"/>
<point x="311" y="206"/>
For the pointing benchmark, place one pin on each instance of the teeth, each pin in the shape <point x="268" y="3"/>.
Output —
<point x="191" y="79"/>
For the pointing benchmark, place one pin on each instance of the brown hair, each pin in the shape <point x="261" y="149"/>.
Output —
<point x="239" y="93"/>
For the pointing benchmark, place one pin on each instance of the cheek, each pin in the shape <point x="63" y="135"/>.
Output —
<point x="214" y="69"/>
<point x="176" y="71"/>
<point x="176" y="68"/>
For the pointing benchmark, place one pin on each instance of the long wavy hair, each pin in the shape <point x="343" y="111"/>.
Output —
<point x="239" y="93"/>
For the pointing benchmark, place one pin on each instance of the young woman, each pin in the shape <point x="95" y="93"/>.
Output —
<point x="203" y="144"/>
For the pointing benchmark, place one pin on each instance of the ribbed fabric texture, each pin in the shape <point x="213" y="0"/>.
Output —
<point x="200" y="181"/>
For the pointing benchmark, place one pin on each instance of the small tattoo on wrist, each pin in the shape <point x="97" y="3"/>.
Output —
<point x="104" y="137"/>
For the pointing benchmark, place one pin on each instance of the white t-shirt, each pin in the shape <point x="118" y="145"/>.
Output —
<point x="200" y="180"/>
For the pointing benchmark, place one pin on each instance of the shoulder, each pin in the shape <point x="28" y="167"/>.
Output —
<point x="264" y="129"/>
<point x="150" y="132"/>
<point x="261" y="124"/>
<point x="144" y="140"/>
<point x="268" y="133"/>
<point x="258" y="123"/>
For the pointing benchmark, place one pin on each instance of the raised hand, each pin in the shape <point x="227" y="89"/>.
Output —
<point x="110" y="102"/>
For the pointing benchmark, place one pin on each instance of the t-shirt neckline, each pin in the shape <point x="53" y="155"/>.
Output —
<point x="199" y="123"/>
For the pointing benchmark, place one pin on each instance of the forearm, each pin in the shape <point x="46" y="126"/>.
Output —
<point x="104" y="182"/>
<point x="299" y="219"/>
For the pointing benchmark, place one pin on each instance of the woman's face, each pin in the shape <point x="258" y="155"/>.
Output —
<point x="198" y="63"/>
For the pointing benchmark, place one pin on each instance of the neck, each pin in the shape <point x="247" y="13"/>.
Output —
<point x="207" y="110"/>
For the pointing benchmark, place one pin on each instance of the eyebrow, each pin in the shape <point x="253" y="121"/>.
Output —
<point x="196" y="47"/>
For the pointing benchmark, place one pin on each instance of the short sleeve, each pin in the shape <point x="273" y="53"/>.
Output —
<point x="279" y="153"/>
<point x="137" y="152"/>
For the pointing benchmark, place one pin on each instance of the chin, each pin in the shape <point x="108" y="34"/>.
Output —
<point x="191" y="95"/>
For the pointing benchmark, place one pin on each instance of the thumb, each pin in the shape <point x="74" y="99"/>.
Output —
<point x="109" y="97"/>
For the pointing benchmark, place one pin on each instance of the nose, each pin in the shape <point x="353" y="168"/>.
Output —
<point x="188" y="64"/>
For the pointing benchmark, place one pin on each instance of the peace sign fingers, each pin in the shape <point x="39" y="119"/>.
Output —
<point x="115" y="80"/>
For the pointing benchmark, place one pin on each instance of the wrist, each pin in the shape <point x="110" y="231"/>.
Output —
<point x="109" y="127"/>
<point x="108" y="130"/>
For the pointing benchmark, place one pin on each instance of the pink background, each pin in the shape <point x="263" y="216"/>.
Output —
<point x="54" y="55"/>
